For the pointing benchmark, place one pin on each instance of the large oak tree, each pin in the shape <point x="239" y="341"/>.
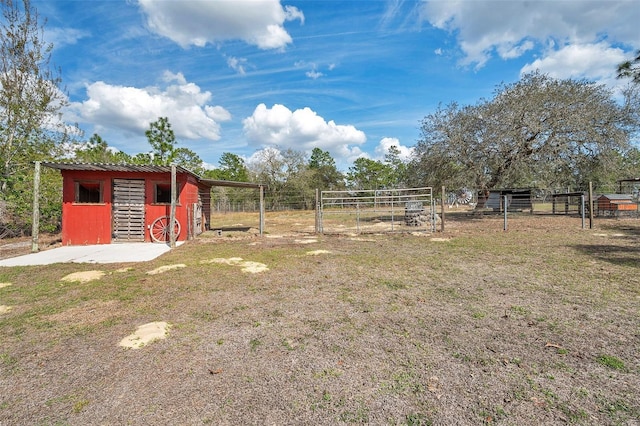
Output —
<point x="539" y="131"/>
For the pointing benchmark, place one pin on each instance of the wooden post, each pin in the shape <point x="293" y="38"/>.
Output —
<point x="590" y="205"/>
<point x="317" y="211"/>
<point x="35" y="223"/>
<point x="172" y="215"/>
<point x="261" y="210"/>
<point x="442" y="202"/>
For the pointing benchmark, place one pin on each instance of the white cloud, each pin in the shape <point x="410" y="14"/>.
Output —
<point x="385" y="143"/>
<point x="237" y="64"/>
<point x="257" y="22"/>
<point x="60" y="37"/>
<point x="312" y="67"/>
<point x="302" y="129"/>
<point x="131" y="109"/>
<point x="314" y="74"/>
<point x="592" y="61"/>
<point x="511" y="28"/>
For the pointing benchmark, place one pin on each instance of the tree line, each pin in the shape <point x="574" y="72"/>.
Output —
<point x="537" y="132"/>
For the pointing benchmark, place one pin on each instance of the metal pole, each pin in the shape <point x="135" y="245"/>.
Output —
<point x="582" y="208"/>
<point x="317" y="211"/>
<point x="35" y="223"/>
<point x="392" y="218"/>
<point x="442" y="211"/>
<point x="172" y="216"/>
<point x="504" y="200"/>
<point x="590" y="205"/>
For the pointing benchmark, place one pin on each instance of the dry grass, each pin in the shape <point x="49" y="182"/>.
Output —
<point x="537" y="325"/>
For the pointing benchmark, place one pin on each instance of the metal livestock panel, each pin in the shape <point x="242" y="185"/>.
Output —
<point x="373" y="211"/>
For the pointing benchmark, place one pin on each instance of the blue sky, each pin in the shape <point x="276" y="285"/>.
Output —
<point x="349" y="77"/>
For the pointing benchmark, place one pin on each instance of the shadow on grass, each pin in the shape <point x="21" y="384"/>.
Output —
<point x="231" y="228"/>
<point x="631" y="229"/>
<point x="621" y="255"/>
<point x="626" y="253"/>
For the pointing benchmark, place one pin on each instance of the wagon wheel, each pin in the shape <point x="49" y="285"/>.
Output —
<point x="160" y="229"/>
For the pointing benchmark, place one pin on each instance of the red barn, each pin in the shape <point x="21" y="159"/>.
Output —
<point x="105" y="203"/>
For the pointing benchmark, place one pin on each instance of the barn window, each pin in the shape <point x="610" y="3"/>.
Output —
<point x="162" y="193"/>
<point x="89" y="192"/>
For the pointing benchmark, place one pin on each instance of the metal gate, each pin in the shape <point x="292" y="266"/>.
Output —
<point x="374" y="211"/>
<point x="128" y="210"/>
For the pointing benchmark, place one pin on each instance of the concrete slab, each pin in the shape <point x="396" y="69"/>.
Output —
<point x="101" y="253"/>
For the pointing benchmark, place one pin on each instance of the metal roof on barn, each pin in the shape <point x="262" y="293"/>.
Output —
<point x="146" y="168"/>
<point x="617" y="197"/>
<point x="112" y="167"/>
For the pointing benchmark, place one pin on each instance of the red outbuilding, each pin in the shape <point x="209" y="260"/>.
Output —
<point x="107" y="203"/>
<point x="616" y="205"/>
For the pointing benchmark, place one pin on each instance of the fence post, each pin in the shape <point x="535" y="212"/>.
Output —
<point x="261" y="210"/>
<point x="582" y="209"/>
<point x="172" y="215"/>
<point x="590" y="205"/>
<point x="504" y="198"/>
<point x="35" y="224"/>
<point x="317" y="211"/>
<point x="442" y="211"/>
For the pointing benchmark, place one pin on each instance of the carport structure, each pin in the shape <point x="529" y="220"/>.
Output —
<point x="109" y="203"/>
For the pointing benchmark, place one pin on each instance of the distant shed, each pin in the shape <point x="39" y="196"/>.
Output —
<point x="628" y="185"/>
<point x="616" y="205"/>
<point x="517" y="200"/>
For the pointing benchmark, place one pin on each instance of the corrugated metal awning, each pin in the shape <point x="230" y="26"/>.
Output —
<point x="110" y="167"/>
<point x="232" y="184"/>
<point x="146" y="168"/>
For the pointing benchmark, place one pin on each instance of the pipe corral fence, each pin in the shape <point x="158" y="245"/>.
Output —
<point x="376" y="211"/>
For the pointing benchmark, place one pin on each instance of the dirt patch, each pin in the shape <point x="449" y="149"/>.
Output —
<point x="146" y="334"/>
<point x="245" y="265"/>
<point x="3" y="308"/>
<point x="307" y="241"/>
<point x="166" y="268"/>
<point x="83" y="277"/>
<point x="317" y="252"/>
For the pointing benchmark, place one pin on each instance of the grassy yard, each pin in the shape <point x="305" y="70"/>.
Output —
<point x="536" y="325"/>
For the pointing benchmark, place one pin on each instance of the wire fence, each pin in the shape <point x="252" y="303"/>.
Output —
<point x="621" y="198"/>
<point x="248" y="200"/>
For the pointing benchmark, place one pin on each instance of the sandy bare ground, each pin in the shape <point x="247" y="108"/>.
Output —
<point x="536" y="325"/>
